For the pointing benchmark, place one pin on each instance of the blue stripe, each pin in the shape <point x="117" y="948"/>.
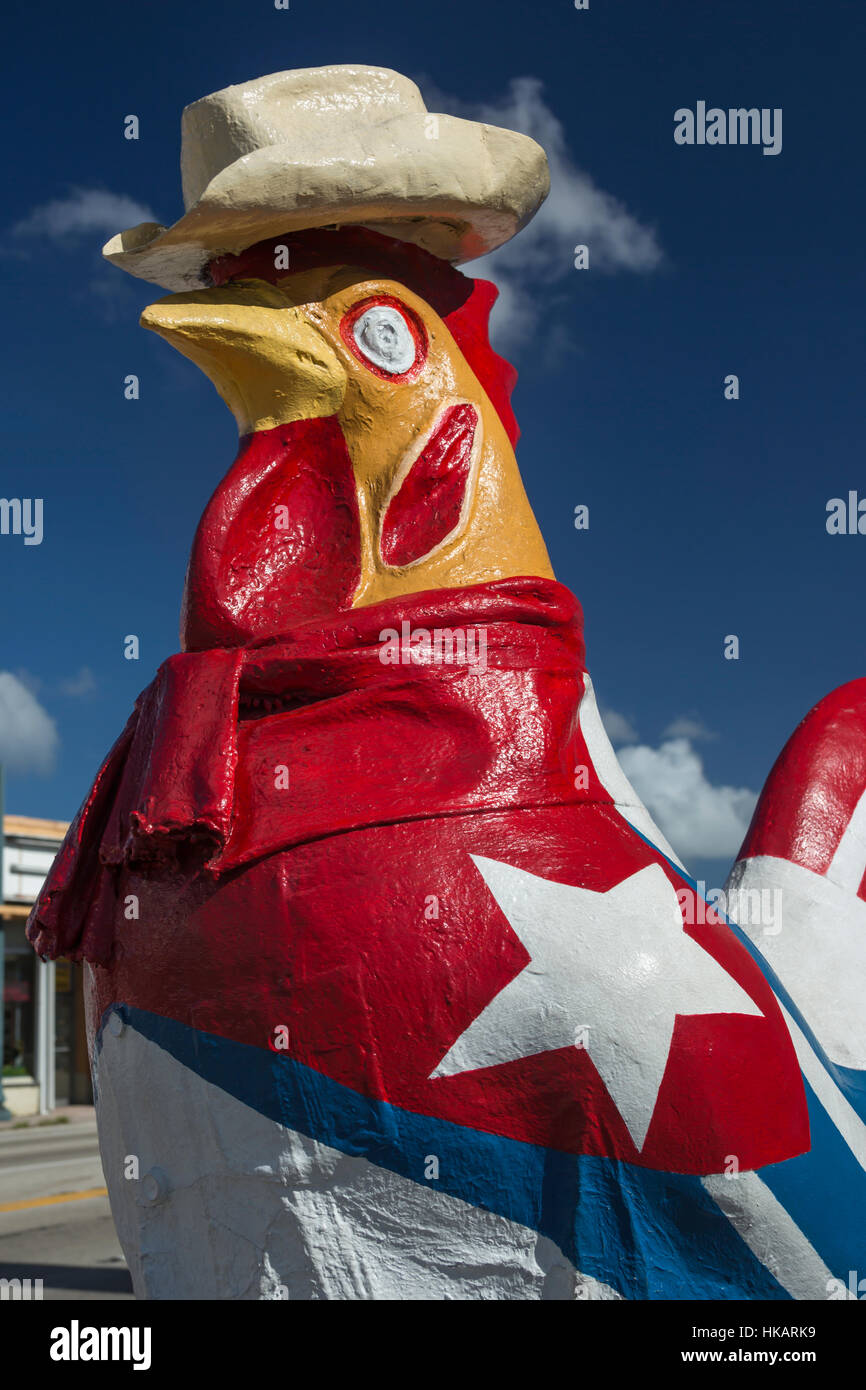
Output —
<point x="824" y="1191"/>
<point x="648" y="1234"/>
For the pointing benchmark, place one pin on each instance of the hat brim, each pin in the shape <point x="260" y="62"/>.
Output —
<point x="457" y="188"/>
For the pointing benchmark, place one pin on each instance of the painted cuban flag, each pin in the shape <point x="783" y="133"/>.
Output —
<point x="443" y="1017"/>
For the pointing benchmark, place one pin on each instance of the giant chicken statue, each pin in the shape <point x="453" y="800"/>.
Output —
<point x="395" y="989"/>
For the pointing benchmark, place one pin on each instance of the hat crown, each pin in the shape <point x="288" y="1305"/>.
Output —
<point x="285" y="107"/>
<point x="341" y="145"/>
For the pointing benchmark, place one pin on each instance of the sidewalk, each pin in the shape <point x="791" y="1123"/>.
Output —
<point x="64" y="1114"/>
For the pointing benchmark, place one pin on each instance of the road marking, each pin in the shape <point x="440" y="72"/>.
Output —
<point x="49" y="1201"/>
<point x="49" y="1163"/>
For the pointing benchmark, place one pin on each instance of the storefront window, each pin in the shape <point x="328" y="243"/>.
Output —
<point x="19" y="1013"/>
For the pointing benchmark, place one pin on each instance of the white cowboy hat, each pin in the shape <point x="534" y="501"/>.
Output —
<point x="327" y="146"/>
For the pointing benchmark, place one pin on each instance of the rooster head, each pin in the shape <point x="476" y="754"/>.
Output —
<point x="377" y="440"/>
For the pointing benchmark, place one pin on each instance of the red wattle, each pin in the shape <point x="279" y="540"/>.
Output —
<point x="279" y="542"/>
<point x="427" y="507"/>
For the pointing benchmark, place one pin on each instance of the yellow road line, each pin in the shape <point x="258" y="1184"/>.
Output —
<point x="49" y="1201"/>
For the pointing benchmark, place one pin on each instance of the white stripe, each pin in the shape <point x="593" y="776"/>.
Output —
<point x="250" y="1209"/>
<point x="843" y="1115"/>
<point x="772" y="1235"/>
<point x="849" y="862"/>
<point x="802" y="1266"/>
<point x="769" y="1231"/>
<point x="612" y="777"/>
<point x="812" y="933"/>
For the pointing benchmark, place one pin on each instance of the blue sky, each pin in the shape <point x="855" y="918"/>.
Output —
<point x="707" y="516"/>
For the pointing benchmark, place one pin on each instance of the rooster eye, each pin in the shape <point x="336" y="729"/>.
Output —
<point x="385" y="339"/>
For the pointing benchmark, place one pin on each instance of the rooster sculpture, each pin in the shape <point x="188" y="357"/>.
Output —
<point x="395" y="990"/>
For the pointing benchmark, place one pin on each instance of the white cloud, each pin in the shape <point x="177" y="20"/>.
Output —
<point x="33" y="683"/>
<point x="577" y="211"/>
<point x="83" y="683"/>
<point x="83" y="212"/>
<point x="28" y="735"/>
<point x="699" y="819"/>
<point x="619" y="729"/>
<point x="84" y="219"/>
<point x="689" y="727"/>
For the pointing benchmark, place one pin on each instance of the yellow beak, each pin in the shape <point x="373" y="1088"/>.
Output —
<point x="265" y="358"/>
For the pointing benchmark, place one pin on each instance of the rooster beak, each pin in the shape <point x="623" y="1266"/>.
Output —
<point x="266" y="360"/>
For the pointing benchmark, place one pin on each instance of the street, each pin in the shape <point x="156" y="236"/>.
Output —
<point x="55" y="1221"/>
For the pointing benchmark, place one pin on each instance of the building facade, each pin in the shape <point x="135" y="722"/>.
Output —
<point x="45" y="1061"/>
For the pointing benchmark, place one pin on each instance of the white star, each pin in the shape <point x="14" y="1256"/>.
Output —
<point x="609" y="971"/>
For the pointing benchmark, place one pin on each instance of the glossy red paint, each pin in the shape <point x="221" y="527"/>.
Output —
<point x="262" y="904"/>
<point x="413" y="323"/>
<point x="463" y="303"/>
<point x="427" y="506"/>
<point x="279" y="542"/>
<point x="816" y="782"/>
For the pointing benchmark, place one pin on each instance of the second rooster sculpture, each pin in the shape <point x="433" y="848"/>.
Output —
<point x="396" y="989"/>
